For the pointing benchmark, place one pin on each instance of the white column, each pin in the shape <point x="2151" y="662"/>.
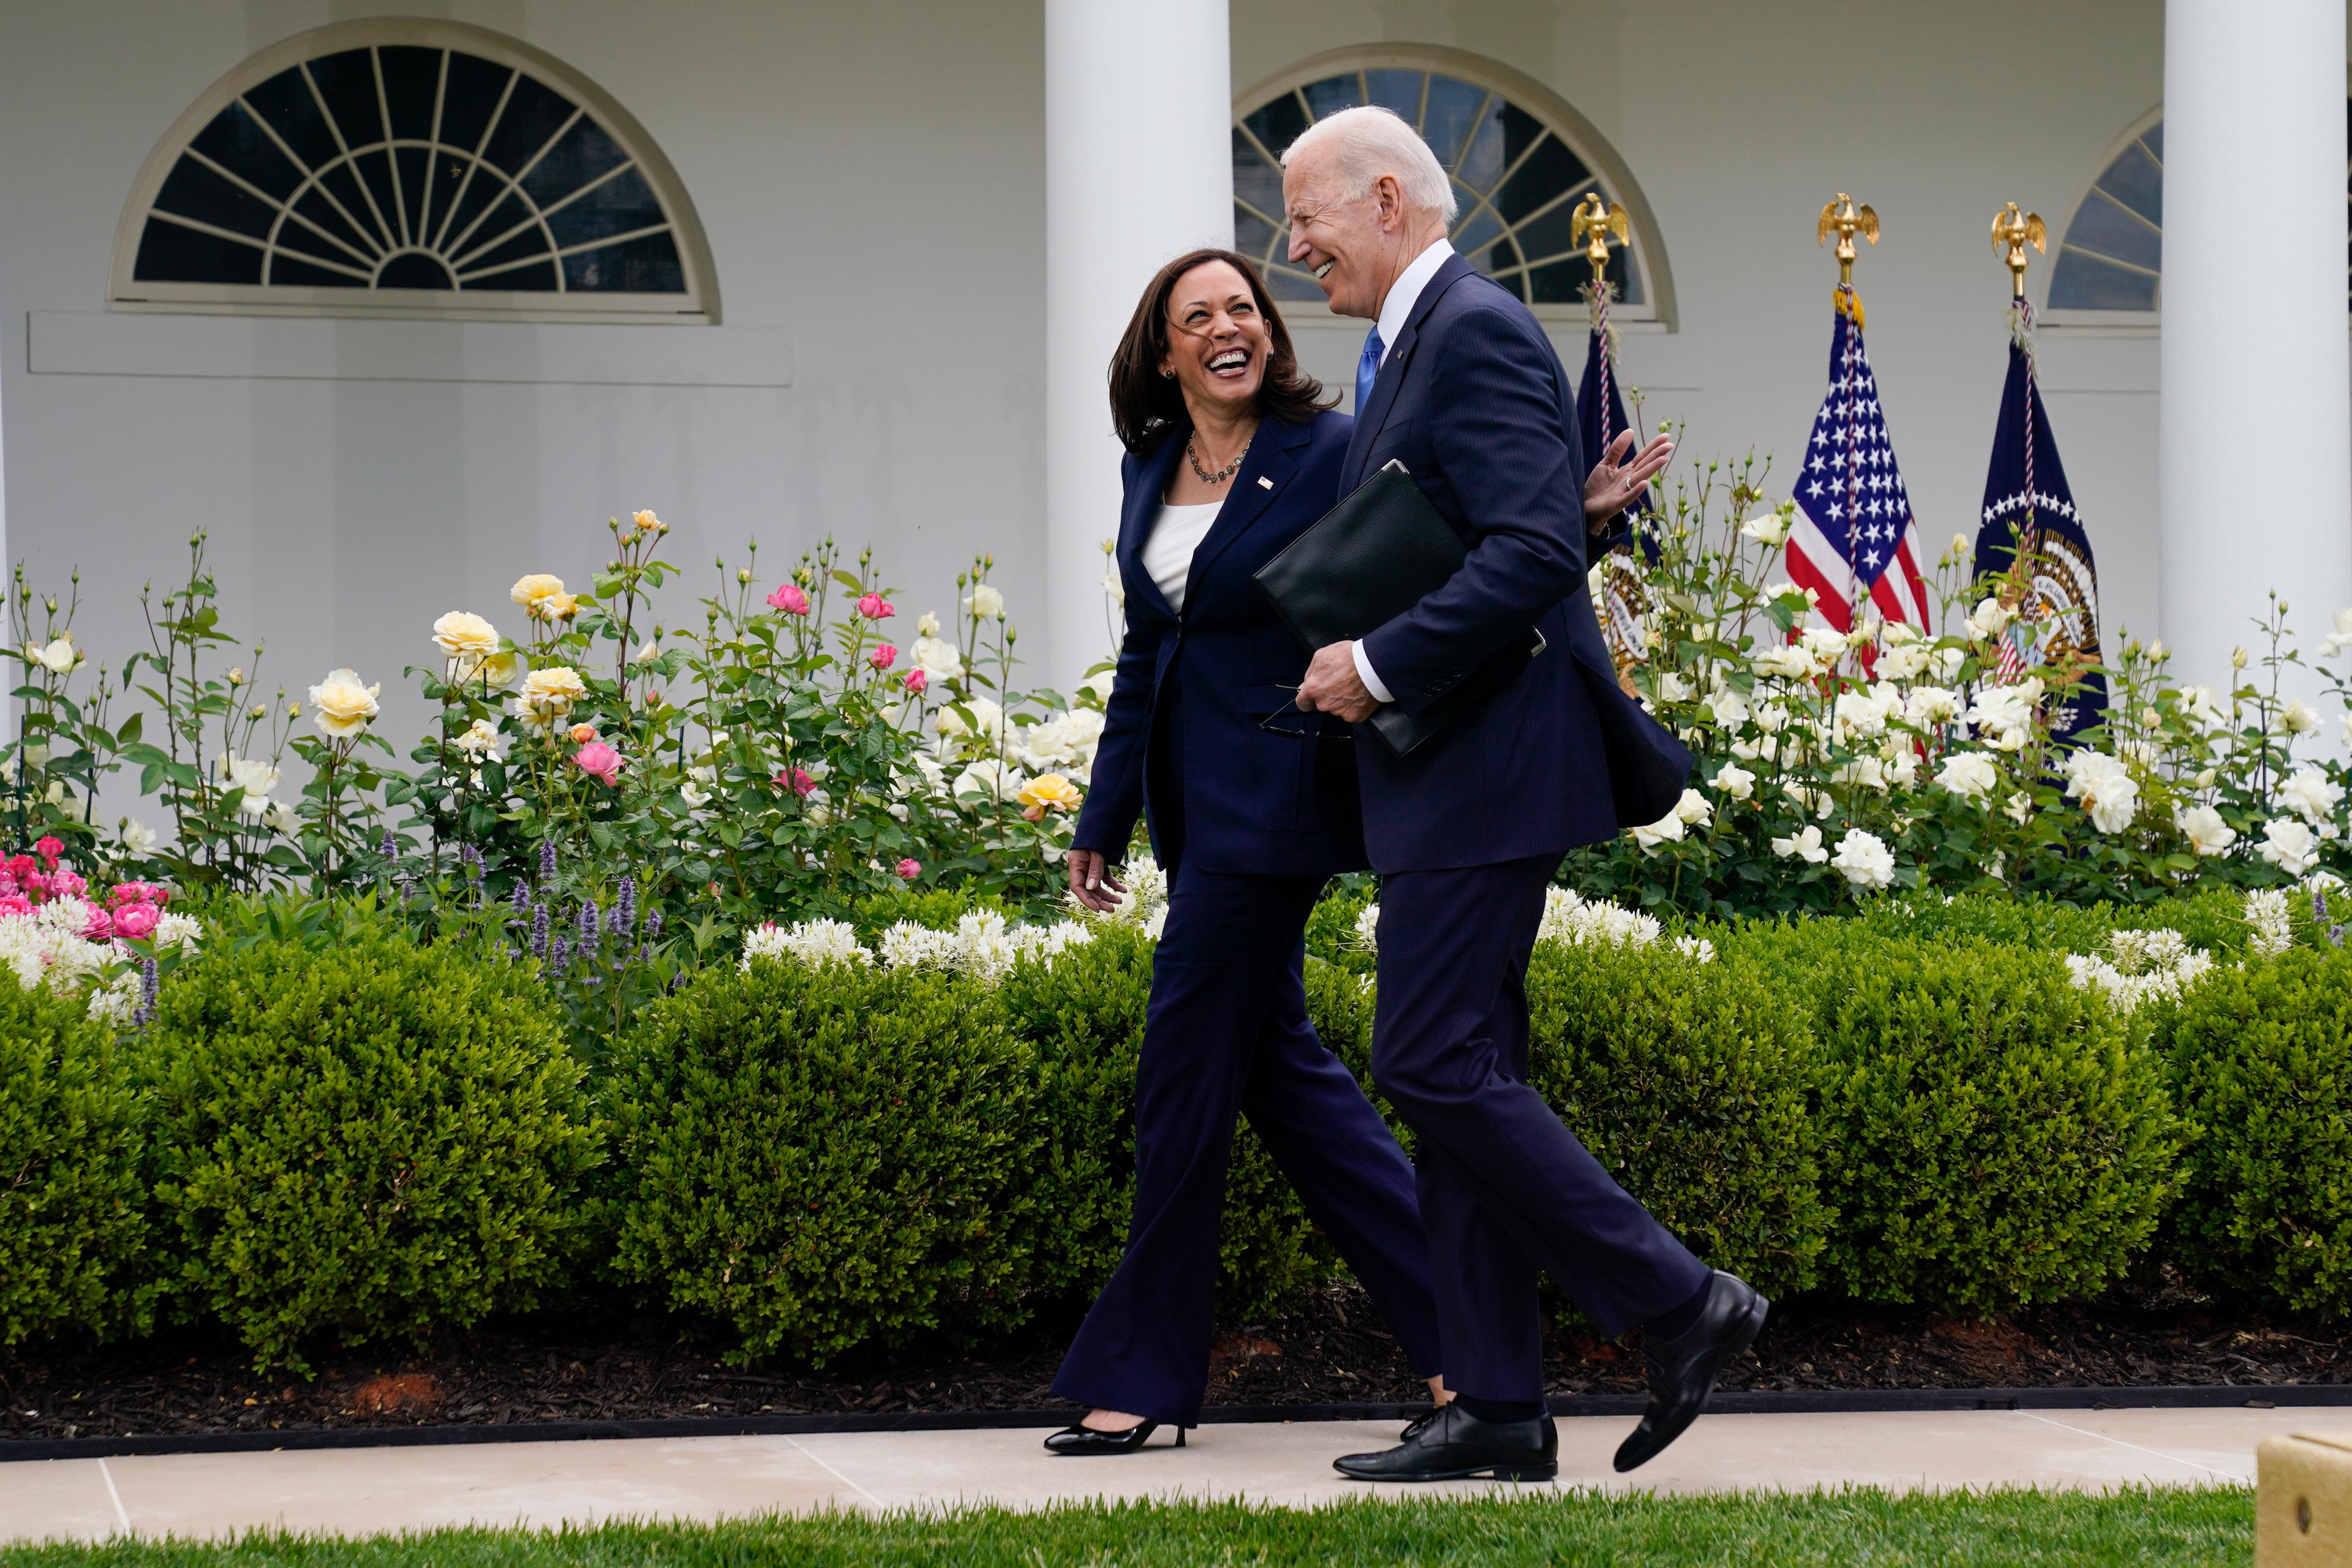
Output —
<point x="1138" y="168"/>
<point x="2255" y="455"/>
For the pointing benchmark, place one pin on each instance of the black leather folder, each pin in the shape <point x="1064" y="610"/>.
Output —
<point x="1382" y="550"/>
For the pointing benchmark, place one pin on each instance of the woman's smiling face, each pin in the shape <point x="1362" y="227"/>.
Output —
<point x="1217" y="340"/>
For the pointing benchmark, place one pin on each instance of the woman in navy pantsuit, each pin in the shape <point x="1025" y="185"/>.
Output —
<point x="1232" y="452"/>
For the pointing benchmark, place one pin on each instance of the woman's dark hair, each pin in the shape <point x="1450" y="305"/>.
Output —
<point x="1144" y="404"/>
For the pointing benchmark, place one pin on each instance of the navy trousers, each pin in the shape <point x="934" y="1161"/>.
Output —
<point x="1505" y="1189"/>
<point x="1227" y="1032"/>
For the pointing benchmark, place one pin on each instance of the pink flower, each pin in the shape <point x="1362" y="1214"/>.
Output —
<point x="15" y="904"/>
<point x="910" y="869"/>
<point x="798" y="782"/>
<point x="788" y="599"/>
<point x="67" y="884"/>
<point x="49" y="849"/>
<point x="875" y="607"/>
<point x="100" y="927"/>
<point x="21" y="866"/>
<point x="36" y="885"/>
<point x="882" y="657"/>
<point x="124" y="893"/>
<point x="135" y="923"/>
<point x="599" y="761"/>
<point x="917" y="680"/>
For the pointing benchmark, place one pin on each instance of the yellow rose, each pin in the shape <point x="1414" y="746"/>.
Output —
<point x="1047" y="791"/>
<point x="548" y="694"/>
<point x="501" y="671"/>
<point x="344" y="706"/>
<point x="461" y="633"/>
<point x="647" y="522"/>
<point x="530" y="590"/>
<point x="557" y="606"/>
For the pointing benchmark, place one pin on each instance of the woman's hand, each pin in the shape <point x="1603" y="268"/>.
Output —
<point x="1617" y="480"/>
<point x="1091" y="882"/>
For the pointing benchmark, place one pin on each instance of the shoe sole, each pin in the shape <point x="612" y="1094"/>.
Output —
<point x="1542" y="1472"/>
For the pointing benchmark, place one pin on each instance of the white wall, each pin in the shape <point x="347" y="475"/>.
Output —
<point x="1739" y="121"/>
<point x="870" y="176"/>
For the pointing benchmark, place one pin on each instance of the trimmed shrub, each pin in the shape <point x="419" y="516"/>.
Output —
<point x="1085" y="1013"/>
<point x="2214" y="919"/>
<point x="73" y="1211"/>
<point x="1688" y="1083"/>
<point x="1991" y="1135"/>
<point x="363" y="1139"/>
<point x="824" y="1159"/>
<point x="2261" y="1060"/>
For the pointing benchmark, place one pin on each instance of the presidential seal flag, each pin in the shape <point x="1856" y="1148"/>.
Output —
<point x="1618" y="594"/>
<point x="1855" y="541"/>
<point x="2027" y="504"/>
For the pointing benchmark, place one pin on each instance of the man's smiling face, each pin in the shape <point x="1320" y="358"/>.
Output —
<point x="1335" y="236"/>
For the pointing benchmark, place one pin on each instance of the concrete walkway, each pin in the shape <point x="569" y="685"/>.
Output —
<point x="364" y="1491"/>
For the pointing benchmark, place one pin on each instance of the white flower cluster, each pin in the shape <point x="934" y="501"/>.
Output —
<point x="2266" y="913"/>
<point x="1570" y="920"/>
<point x="48" y="949"/>
<point x="2140" y="965"/>
<point x="982" y="945"/>
<point x="1145" y="902"/>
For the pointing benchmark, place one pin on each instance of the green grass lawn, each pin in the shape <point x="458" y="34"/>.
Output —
<point x="1836" y="1530"/>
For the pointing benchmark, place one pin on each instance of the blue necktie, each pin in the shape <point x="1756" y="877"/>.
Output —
<point x="1367" y="370"/>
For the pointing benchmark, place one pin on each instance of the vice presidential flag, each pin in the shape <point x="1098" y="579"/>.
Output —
<point x="2026" y="497"/>
<point x="1856" y="540"/>
<point x="1622" y="600"/>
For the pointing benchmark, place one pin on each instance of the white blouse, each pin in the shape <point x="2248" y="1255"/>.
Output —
<point x="1168" y="554"/>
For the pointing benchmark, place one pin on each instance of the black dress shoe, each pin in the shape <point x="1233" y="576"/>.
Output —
<point x="1683" y="1370"/>
<point x="1084" y="1442"/>
<point x="1420" y="1424"/>
<point x="1453" y="1445"/>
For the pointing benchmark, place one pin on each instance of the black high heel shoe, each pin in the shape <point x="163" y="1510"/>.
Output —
<point x="1084" y="1442"/>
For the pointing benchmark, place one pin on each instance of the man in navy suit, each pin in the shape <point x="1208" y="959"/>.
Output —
<point x="1459" y="383"/>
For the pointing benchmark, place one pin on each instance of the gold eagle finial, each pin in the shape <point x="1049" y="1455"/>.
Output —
<point x="2012" y="231"/>
<point x="1594" y="220"/>
<point x="1844" y="218"/>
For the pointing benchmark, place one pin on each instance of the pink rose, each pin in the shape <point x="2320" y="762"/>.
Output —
<point x="49" y="849"/>
<point x="797" y="781"/>
<point x="135" y="923"/>
<point x="875" y="607"/>
<point x="882" y="657"/>
<point x="917" y="680"/>
<point x="35" y="885"/>
<point x="21" y="866"/>
<point x="599" y="761"/>
<point x="910" y="869"/>
<point x="99" y="928"/>
<point x="15" y="904"/>
<point x="67" y="884"/>
<point x="788" y="599"/>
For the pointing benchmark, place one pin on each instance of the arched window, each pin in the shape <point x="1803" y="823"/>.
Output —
<point x="1520" y="160"/>
<point x="404" y="166"/>
<point x="2112" y="257"/>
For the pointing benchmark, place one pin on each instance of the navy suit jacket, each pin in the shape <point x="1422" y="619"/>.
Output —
<point x="1474" y="403"/>
<point x="1183" y="736"/>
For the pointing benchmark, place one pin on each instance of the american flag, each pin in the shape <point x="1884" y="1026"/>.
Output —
<point x="1855" y="536"/>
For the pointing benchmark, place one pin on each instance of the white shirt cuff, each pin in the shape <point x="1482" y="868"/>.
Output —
<point x="1365" y="673"/>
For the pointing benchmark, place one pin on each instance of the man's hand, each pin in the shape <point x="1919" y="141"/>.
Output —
<point x="1091" y="882"/>
<point x="1333" y="686"/>
<point x="1616" y="483"/>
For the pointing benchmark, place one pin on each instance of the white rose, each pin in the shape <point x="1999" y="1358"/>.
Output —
<point x="280" y="818"/>
<point x="926" y="625"/>
<point x="2290" y="845"/>
<point x="988" y="720"/>
<point x="1789" y="662"/>
<point x="1989" y="619"/>
<point x="1860" y="713"/>
<point x="1826" y="646"/>
<point x="2020" y="808"/>
<point x="2310" y="795"/>
<point x="991" y="778"/>
<point x="1969" y="774"/>
<point x="1114" y="588"/>
<point x="936" y="657"/>
<point x="1931" y="705"/>
<point x="1868" y="773"/>
<point x="58" y="658"/>
<point x="250" y="774"/>
<point x="343" y="707"/>
<point x="464" y="637"/>
<point x="2299" y="718"/>
<point x="1734" y="781"/>
<point x="1902" y="765"/>
<point x="1667" y="829"/>
<point x="1672" y="687"/>
<point x="1805" y="846"/>
<point x="985" y="602"/>
<point x="2105" y="788"/>
<point x="1948" y="661"/>
<point x="2341" y="638"/>
<point x="480" y="736"/>
<point x="1100" y="683"/>
<point x="1725" y="706"/>
<point x="1904" y="662"/>
<point x="2206" y="831"/>
<point x="1767" y="750"/>
<point x="1865" y="859"/>
<point x="1694" y="809"/>
<point x="531" y="589"/>
<point x="138" y="839"/>
<point x="1768" y="529"/>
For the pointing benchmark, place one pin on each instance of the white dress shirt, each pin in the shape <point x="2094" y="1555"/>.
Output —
<point x="1396" y="309"/>
<point x="1168" y="554"/>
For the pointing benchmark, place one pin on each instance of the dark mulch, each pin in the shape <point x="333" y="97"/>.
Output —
<point x="599" y="1362"/>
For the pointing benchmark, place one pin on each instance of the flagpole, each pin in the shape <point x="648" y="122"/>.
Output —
<point x="1591" y="224"/>
<point x="1847" y="219"/>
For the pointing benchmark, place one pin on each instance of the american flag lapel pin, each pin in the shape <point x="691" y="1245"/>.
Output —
<point x="1263" y="483"/>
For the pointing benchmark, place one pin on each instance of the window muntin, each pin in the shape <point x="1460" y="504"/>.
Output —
<point x="1517" y="174"/>
<point x="2111" y="258"/>
<point x="430" y="167"/>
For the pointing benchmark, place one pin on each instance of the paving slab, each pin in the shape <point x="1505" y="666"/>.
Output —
<point x="370" y="1491"/>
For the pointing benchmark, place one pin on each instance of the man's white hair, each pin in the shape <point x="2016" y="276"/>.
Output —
<point x="1369" y="141"/>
